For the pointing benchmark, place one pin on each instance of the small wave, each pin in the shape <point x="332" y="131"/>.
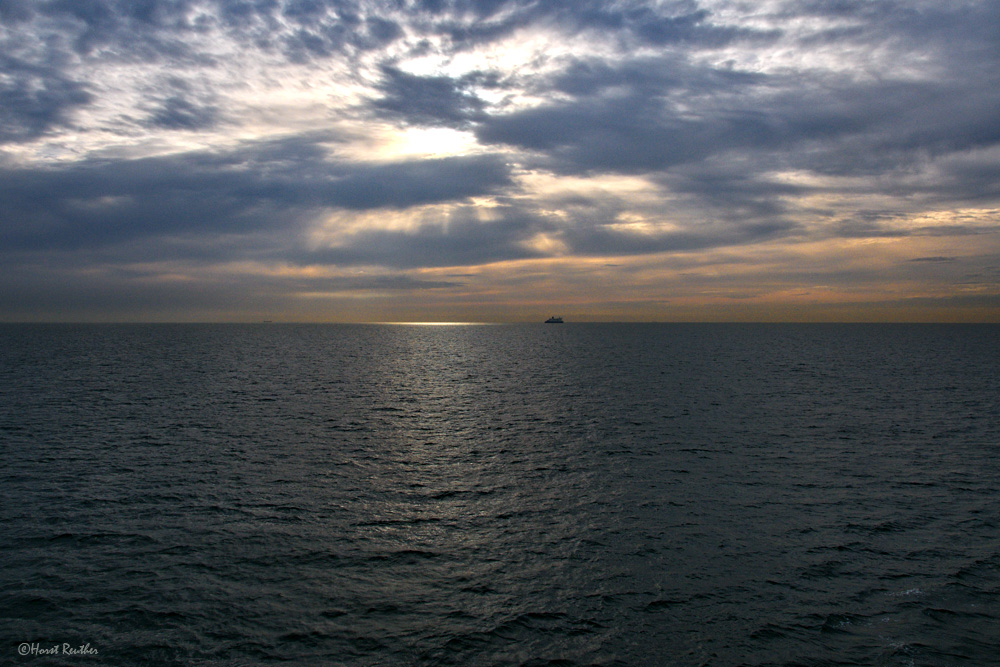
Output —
<point x="397" y="522"/>
<point x="33" y="605"/>
<point x="907" y="593"/>
<point x="404" y="556"/>
<point x="951" y="615"/>
<point x="826" y="570"/>
<point x="94" y="539"/>
<point x="843" y="622"/>
<point x="662" y="604"/>
<point x="453" y="493"/>
<point x="480" y="589"/>
<point x="769" y="631"/>
<point x="902" y="651"/>
<point x="309" y="638"/>
<point x="876" y="528"/>
<point x="544" y="623"/>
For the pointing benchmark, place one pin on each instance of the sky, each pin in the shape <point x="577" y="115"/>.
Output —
<point x="494" y="160"/>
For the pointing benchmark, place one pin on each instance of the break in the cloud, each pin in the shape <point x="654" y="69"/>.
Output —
<point x="499" y="159"/>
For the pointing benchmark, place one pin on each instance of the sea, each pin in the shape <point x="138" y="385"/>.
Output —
<point x="528" y="494"/>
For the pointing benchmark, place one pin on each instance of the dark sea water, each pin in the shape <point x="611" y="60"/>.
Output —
<point x="500" y="495"/>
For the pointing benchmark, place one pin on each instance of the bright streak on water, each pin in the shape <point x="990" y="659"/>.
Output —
<point x="439" y="324"/>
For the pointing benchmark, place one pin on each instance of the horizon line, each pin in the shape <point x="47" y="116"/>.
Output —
<point x="479" y="323"/>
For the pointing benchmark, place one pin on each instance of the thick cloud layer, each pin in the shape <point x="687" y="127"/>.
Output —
<point x="274" y="186"/>
<point x="802" y="155"/>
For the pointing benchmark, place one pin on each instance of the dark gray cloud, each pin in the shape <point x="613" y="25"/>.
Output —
<point x="162" y="30"/>
<point x="651" y="76"/>
<point x="338" y="33"/>
<point x="308" y="29"/>
<point x="874" y="224"/>
<point x="35" y="99"/>
<point x="634" y="24"/>
<point x="735" y="191"/>
<point x="831" y="126"/>
<point x="63" y="291"/>
<point x="607" y="240"/>
<point x="428" y="100"/>
<point x="151" y="30"/>
<point x="629" y="133"/>
<point x="13" y="12"/>
<point x="272" y="185"/>
<point x="460" y="238"/>
<point x="178" y="113"/>
<point x="969" y="179"/>
<point x="176" y="103"/>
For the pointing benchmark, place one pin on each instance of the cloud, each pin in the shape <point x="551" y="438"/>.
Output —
<point x="459" y="238"/>
<point x="427" y="100"/>
<point x="13" y="12"/>
<point x="320" y="35"/>
<point x="634" y="24"/>
<point x="879" y="225"/>
<point x="273" y="185"/>
<point x="417" y="135"/>
<point x="936" y="259"/>
<point x="34" y="99"/>
<point x="637" y="116"/>
<point x="607" y="240"/>
<point x="150" y="30"/>
<point x="179" y="113"/>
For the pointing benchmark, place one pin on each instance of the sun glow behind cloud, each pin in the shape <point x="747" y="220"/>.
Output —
<point x="413" y="142"/>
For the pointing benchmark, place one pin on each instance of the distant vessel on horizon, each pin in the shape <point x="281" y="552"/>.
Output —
<point x="554" y="320"/>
